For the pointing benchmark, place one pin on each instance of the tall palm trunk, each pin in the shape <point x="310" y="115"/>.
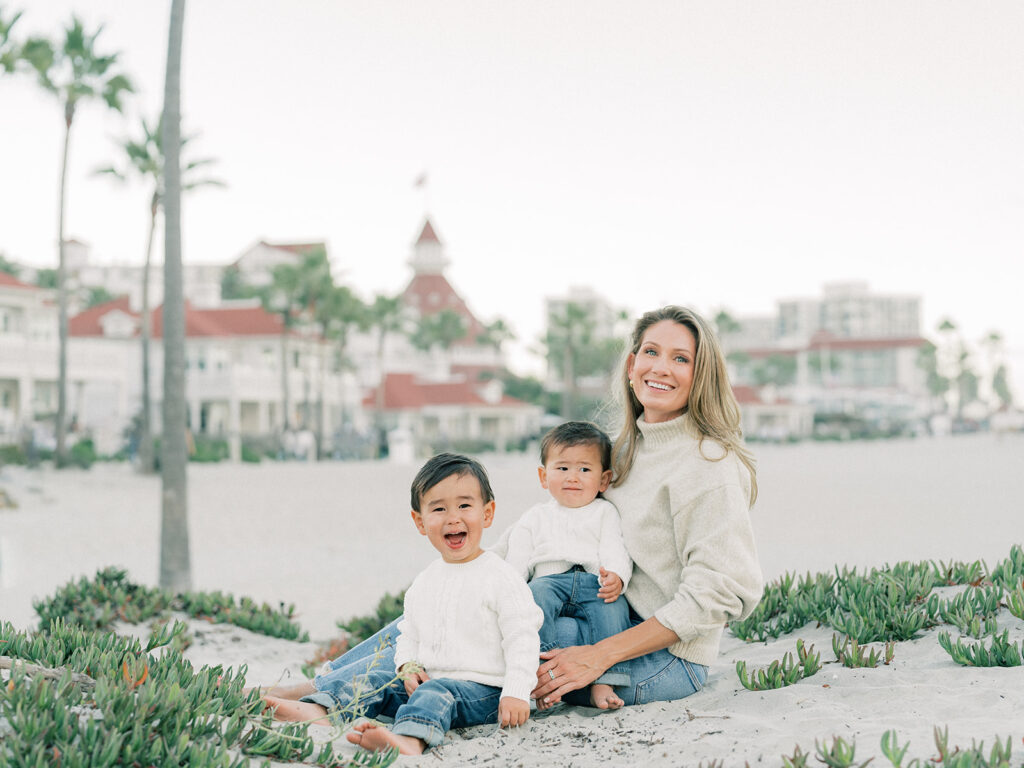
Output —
<point x="146" y="425"/>
<point x="60" y="456"/>
<point x="175" y="565"/>
<point x="285" y="405"/>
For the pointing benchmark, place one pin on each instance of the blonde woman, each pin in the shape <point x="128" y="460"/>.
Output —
<point x="683" y="484"/>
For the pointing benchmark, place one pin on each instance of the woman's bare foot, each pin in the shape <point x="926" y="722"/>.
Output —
<point x="297" y="711"/>
<point x="603" y="697"/>
<point x="375" y="738"/>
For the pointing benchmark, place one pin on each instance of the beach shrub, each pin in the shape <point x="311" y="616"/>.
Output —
<point x="12" y="454"/>
<point x="781" y="672"/>
<point x="78" y="697"/>
<point x="1009" y="573"/>
<point x="853" y="655"/>
<point x="388" y="609"/>
<point x="208" y="449"/>
<point x="96" y="603"/>
<point x="1000" y="652"/>
<point x="83" y="453"/>
<point x="839" y="754"/>
<point x="786" y="607"/>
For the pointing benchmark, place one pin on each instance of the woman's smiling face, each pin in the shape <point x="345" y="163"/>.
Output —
<point x="661" y="370"/>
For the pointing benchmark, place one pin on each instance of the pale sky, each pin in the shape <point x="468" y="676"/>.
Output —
<point x="715" y="154"/>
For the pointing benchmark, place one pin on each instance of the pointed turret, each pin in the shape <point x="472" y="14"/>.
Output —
<point x="428" y="253"/>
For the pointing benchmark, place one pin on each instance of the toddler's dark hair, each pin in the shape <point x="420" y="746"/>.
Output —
<point x="577" y="433"/>
<point x="443" y="466"/>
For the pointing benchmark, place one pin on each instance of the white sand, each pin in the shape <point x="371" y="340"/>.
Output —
<point x="331" y="538"/>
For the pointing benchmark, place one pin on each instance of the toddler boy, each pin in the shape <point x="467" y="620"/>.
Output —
<point x="470" y="628"/>
<point x="570" y="547"/>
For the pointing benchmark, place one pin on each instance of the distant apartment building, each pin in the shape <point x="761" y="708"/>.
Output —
<point x="850" y="310"/>
<point x="850" y="351"/>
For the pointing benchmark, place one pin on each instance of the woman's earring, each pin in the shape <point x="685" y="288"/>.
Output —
<point x="631" y="384"/>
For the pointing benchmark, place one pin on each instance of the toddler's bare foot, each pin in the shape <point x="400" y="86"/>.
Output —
<point x="376" y="737"/>
<point x="603" y="697"/>
<point x="297" y="711"/>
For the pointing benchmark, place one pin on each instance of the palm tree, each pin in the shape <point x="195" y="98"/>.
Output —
<point x="567" y="337"/>
<point x="294" y="289"/>
<point x="145" y="158"/>
<point x="440" y="329"/>
<point x="73" y="72"/>
<point x="495" y="335"/>
<point x="338" y="313"/>
<point x="387" y="315"/>
<point x="175" y="563"/>
<point x="9" y="53"/>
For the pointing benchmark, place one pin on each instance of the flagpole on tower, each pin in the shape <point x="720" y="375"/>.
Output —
<point x="423" y="187"/>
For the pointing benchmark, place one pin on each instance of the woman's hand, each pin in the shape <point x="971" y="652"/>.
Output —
<point x="513" y="712"/>
<point x="567" y="669"/>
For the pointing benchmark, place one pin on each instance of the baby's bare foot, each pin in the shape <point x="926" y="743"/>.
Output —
<point x="296" y="711"/>
<point x="375" y="738"/>
<point x="603" y="697"/>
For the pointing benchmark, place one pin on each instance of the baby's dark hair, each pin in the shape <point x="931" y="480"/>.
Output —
<point x="443" y="466"/>
<point x="577" y="433"/>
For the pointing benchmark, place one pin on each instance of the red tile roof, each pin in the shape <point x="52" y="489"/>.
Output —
<point x="823" y="340"/>
<point x="224" y="322"/>
<point x="299" y="248"/>
<point x="215" y="322"/>
<point x="752" y="396"/>
<point x="427" y="235"/>
<point x="87" y="322"/>
<point x="10" y="281"/>
<point x="403" y="391"/>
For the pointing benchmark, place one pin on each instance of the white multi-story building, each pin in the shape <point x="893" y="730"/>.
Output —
<point x="28" y="356"/>
<point x="850" y="351"/>
<point x="850" y="310"/>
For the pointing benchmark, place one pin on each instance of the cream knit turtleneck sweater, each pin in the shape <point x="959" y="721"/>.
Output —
<point x="686" y="524"/>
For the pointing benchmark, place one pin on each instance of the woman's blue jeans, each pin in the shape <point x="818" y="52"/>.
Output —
<point x="657" y="676"/>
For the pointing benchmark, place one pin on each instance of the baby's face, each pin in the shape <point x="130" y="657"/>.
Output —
<point x="573" y="474"/>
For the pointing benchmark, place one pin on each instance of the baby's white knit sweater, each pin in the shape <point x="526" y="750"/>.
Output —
<point x="550" y="538"/>
<point x="686" y="523"/>
<point x="472" y="621"/>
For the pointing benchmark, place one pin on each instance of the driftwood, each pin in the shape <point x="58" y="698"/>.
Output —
<point x="34" y="670"/>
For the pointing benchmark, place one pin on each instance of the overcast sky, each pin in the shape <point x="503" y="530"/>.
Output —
<point x="716" y="154"/>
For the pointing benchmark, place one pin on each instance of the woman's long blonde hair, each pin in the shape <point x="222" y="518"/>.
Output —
<point x="712" y="405"/>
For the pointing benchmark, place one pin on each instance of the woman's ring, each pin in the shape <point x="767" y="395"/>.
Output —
<point x="551" y="672"/>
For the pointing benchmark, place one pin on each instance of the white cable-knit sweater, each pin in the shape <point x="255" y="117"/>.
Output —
<point x="550" y="538"/>
<point x="472" y="621"/>
<point x="686" y="524"/>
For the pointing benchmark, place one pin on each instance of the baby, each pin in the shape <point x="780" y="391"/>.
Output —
<point x="570" y="547"/>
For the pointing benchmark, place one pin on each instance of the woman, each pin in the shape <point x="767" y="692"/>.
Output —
<point x="684" y="484"/>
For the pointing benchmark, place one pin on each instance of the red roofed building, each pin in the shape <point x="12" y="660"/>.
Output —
<point x="472" y="415"/>
<point x="234" y="385"/>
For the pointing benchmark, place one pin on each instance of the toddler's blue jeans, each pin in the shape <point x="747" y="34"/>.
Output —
<point x="434" y="707"/>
